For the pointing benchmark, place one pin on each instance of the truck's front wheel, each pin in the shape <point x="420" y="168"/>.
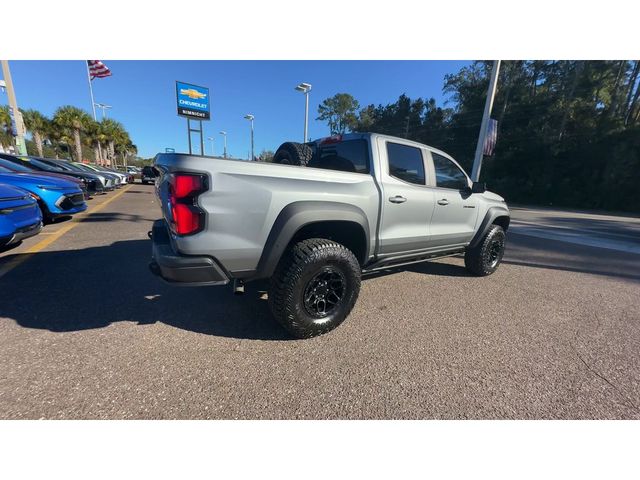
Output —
<point x="315" y="287"/>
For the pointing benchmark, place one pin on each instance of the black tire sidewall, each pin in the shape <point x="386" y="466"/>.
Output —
<point x="293" y="153"/>
<point x="344" y="307"/>
<point x="286" y="295"/>
<point x="496" y="233"/>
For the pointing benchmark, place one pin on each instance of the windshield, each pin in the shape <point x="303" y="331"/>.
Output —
<point x="5" y="170"/>
<point x="81" y="167"/>
<point x="44" y="166"/>
<point x="14" y="167"/>
<point x="89" y="168"/>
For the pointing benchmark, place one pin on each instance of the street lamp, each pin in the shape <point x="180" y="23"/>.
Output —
<point x="104" y="107"/>
<point x="250" y="118"/>
<point x="224" y="134"/>
<point x="211" y="139"/>
<point x="305" y="88"/>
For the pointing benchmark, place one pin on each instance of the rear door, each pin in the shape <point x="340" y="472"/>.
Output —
<point x="407" y="201"/>
<point x="455" y="211"/>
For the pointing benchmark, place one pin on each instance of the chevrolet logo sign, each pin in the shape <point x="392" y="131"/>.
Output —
<point x="191" y="93"/>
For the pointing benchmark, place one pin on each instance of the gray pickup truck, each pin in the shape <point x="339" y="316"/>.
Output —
<point x="319" y="217"/>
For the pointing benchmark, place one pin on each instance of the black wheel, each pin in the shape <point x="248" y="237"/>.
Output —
<point x="292" y="153"/>
<point x="47" y="218"/>
<point x="484" y="259"/>
<point x="314" y="287"/>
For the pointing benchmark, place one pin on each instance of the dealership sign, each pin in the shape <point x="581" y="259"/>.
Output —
<point x="193" y="101"/>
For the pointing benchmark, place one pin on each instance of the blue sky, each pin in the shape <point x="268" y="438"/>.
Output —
<point x="142" y="94"/>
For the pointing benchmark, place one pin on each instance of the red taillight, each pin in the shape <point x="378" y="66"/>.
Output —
<point x="184" y="189"/>
<point x="332" y="139"/>
<point x="185" y="185"/>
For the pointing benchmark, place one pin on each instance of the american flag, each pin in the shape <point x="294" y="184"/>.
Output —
<point x="491" y="138"/>
<point x="97" y="69"/>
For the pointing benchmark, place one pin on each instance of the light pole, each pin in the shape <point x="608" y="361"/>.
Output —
<point x="305" y="88"/>
<point x="224" y="134"/>
<point x="211" y="139"/>
<point x="250" y="118"/>
<point x="16" y="116"/>
<point x="104" y="107"/>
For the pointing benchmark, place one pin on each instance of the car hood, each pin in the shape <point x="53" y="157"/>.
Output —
<point x="62" y="176"/>
<point x="28" y="178"/>
<point x="7" y="191"/>
<point x="492" y="196"/>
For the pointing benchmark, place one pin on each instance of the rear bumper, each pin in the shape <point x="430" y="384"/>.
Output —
<point x="181" y="269"/>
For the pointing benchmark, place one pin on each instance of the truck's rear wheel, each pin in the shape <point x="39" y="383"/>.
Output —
<point x="315" y="287"/>
<point x="485" y="257"/>
<point x="293" y="153"/>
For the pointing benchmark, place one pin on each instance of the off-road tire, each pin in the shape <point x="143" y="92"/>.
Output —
<point x="482" y="260"/>
<point x="293" y="153"/>
<point x="298" y="272"/>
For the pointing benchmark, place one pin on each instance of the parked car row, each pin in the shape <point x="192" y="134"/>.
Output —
<point x="35" y="191"/>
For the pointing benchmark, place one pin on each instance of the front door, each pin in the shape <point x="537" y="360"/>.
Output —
<point x="455" y="212"/>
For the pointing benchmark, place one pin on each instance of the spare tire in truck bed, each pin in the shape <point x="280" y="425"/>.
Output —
<point x="293" y="153"/>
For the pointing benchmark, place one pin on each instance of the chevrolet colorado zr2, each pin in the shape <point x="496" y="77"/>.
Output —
<point x="317" y="218"/>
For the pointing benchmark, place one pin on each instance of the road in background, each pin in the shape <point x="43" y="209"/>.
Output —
<point x="581" y="228"/>
<point x="87" y="332"/>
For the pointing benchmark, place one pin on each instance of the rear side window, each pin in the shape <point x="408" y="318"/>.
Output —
<point x="448" y="175"/>
<point x="406" y="163"/>
<point x="347" y="156"/>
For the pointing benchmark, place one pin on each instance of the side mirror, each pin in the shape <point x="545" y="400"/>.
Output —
<point x="478" y="187"/>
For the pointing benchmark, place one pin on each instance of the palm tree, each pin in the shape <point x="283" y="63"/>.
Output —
<point x="72" y="120"/>
<point x="6" y="139"/>
<point x="95" y="137"/>
<point x="37" y="124"/>
<point x="115" y="134"/>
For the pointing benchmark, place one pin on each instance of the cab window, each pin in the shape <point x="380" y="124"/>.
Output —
<point x="405" y="163"/>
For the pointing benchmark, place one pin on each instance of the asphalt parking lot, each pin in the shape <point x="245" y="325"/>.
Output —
<point x="87" y="332"/>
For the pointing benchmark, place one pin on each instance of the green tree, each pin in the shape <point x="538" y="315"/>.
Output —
<point x="36" y="124"/>
<point x="95" y="137"/>
<point x="339" y="112"/>
<point x="6" y="139"/>
<point x="266" y="156"/>
<point x="71" y="121"/>
<point x="115" y="134"/>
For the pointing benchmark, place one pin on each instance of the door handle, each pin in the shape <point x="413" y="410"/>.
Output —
<point x="397" y="199"/>
<point x="444" y="201"/>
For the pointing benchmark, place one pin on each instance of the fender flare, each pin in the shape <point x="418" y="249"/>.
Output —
<point x="297" y="215"/>
<point x="487" y="221"/>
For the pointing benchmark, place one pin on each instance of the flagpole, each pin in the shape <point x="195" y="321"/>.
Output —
<point x="477" y="161"/>
<point x="93" y="108"/>
<point x="93" y="103"/>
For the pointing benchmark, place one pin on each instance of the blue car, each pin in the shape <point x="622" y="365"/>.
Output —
<point x="20" y="216"/>
<point x="56" y="197"/>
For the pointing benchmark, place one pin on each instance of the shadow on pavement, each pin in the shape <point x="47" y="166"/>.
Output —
<point x="113" y="217"/>
<point x="65" y="291"/>
<point x="427" y="268"/>
<point x="95" y="287"/>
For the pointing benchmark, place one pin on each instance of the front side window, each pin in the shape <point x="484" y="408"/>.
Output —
<point x="448" y="174"/>
<point x="406" y="163"/>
